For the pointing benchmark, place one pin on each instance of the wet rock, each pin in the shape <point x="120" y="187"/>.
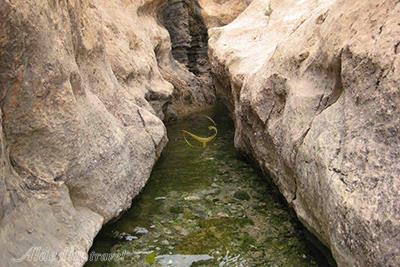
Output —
<point x="257" y="254"/>
<point x="223" y="171"/>
<point x="210" y="198"/>
<point x="212" y="191"/>
<point x="182" y="260"/>
<point x="181" y="230"/>
<point x="222" y="214"/>
<point x="167" y="231"/>
<point x="200" y="213"/>
<point x="131" y="237"/>
<point x="241" y="195"/>
<point x="140" y="231"/>
<point x="124" y="236"/>
<point x="171" y="115"/>
<point x="188" y="214"/>
<point x="176" y="209"/>
<point x="192" y="198"/>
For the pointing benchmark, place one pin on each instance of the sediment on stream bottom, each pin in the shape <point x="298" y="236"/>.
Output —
<point x="211" y="206"/>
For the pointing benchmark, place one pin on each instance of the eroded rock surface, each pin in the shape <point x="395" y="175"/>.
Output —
<point x="84" y="86"/>
<point x="221" y="12"/>
<point x="189" y="40"/>
<point x="313" y="87"/>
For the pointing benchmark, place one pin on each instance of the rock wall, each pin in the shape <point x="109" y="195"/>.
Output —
<point x="187" y="22"/>
<point x="188" y="33"/>
<point x="313" y="87"/>
<point x="189" y="38"/>
<point x="221" y="12"/>
<point x="83" y="86"/>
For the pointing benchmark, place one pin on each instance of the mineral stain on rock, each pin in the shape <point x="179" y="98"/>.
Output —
<point x="208" y="204"/>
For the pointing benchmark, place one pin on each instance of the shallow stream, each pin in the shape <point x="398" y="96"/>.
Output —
<point x="206" y="207"/>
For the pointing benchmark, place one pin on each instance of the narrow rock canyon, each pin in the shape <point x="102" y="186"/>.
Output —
<point x="86" y="88"/>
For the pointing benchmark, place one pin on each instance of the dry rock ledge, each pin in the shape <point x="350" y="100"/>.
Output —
<point x="314" y="90"/>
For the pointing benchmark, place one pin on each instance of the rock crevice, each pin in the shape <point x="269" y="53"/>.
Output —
<point x="189" y="47"/>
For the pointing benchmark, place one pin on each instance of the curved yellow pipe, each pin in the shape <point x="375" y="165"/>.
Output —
<point x="203" y="140"/>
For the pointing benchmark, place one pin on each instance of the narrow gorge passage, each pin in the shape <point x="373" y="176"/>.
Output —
<point x="207" y="204"/>
<point x="94" y="167"/>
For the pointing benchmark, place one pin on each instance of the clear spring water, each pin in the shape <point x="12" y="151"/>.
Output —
<point x="206" y="207"/>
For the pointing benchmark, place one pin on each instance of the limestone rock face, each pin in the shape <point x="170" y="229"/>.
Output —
<point x="221" y="12"/>
<point x="313" y="87"/>
<point x="83" y="88"/>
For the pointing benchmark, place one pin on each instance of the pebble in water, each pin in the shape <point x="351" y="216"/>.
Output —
<point x="212" y="204"/>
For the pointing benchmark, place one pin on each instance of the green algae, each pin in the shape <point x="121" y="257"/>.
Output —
<point x="151" y="258"/>
<point x="208" y="202"/>
<point x="215" y="234"/>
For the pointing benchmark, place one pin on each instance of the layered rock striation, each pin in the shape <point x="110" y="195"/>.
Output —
<point x="189" y="41"/>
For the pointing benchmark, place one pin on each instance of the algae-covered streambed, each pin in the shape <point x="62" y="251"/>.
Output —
<point x="205" y="207"/>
